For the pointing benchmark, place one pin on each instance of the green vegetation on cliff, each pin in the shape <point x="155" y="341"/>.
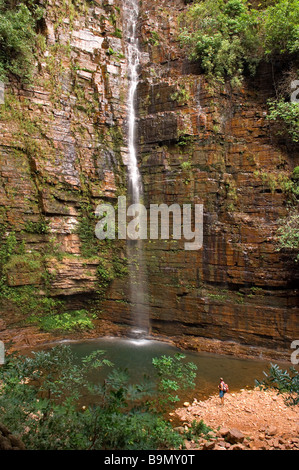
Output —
<point x="229" y="38"/>
<point x="223" y="38"/>
<point x="288" y="234"/>
<point x="17" y="37"/>
<point x="21" y="31"/>
<point x="285" y="115"/>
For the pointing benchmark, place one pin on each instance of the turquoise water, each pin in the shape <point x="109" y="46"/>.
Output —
<point x="136" y="356"/>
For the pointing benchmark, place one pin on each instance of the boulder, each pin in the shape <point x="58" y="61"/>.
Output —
<point x="8" y="441"/>
<point x="5" y="443"/>
<point x="208" y="445"/>
<point x="271" y="431"/>
<point x="223" y="432"/>
<point x="237" y="447"/>
<point x="234" y="436"/>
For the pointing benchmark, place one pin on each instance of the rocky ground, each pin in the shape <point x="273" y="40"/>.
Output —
<point x="248" y="420"/>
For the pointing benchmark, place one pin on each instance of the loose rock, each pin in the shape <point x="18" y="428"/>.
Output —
<point x="272" y="426"/>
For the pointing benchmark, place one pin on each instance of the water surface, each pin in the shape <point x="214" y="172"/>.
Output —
<point x="136" y="356"/>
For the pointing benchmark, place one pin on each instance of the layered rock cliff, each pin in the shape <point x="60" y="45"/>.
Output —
<point x="63" y="151"/>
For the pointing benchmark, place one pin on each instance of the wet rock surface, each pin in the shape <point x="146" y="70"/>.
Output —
<point x="211" y="146"/>
<point x="63" y="151"/>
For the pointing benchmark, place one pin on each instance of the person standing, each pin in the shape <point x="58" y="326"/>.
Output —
<point x="222" y="389"/>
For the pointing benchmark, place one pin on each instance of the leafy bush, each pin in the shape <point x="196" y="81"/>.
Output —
<point x="223" y="38"/>
<point x="229" y="37"/>
<point x="68" y="321"/>
<point x="286" y="116"/>
<point x="173" y="375"/>
<point x="197" y="429"/>
<point x="288" y="233"/>
<point x="284" y="382"/>
<point x="42" y="227"/>
<point x="295" y="175"/>
<point x="17" y="38"/>
<point x="38" y="397"/>
<point x="41" y="399"/>
<point x="280" y="34"/>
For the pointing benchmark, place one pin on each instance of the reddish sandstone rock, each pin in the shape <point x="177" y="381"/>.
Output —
<point x="234" y="436"/>
<point x="211" y="147"/>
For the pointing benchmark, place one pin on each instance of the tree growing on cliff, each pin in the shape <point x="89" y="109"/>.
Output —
<point x="279" y="28"/>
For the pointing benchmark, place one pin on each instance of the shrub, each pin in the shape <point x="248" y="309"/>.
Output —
<point x="17" y="39"/>
<point x="280" y="28"/>
<point x="285" y="115"/>
<point x="223" y="38"/>
<point x="288" y="234"/>
<point x="41" y="227"/>
<point x="67" y="321"/>
<point x="173" y="374"/>
<point x="197" y="429"/>
<point x="229" y="38"/>
<point x="41" y="400"/>
<point x="295" y="175"/>
<point x="284" y="382"/>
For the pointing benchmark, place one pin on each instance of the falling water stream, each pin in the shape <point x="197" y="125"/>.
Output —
<point x="133" y="57"/>
<point x="135" y="251"/>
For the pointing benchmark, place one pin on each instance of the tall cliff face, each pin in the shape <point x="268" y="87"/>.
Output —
<point x="63" y="151"/>
<point x="198" y="144"/>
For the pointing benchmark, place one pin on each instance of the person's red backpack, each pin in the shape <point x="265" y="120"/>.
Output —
<point x="225" y="388"/>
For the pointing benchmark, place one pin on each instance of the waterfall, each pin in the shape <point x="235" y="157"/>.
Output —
<point x="133" y="65"/>
<point x="135" y="252"/>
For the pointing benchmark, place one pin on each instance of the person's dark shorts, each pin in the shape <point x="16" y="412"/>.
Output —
<point x="221" y="394"/>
